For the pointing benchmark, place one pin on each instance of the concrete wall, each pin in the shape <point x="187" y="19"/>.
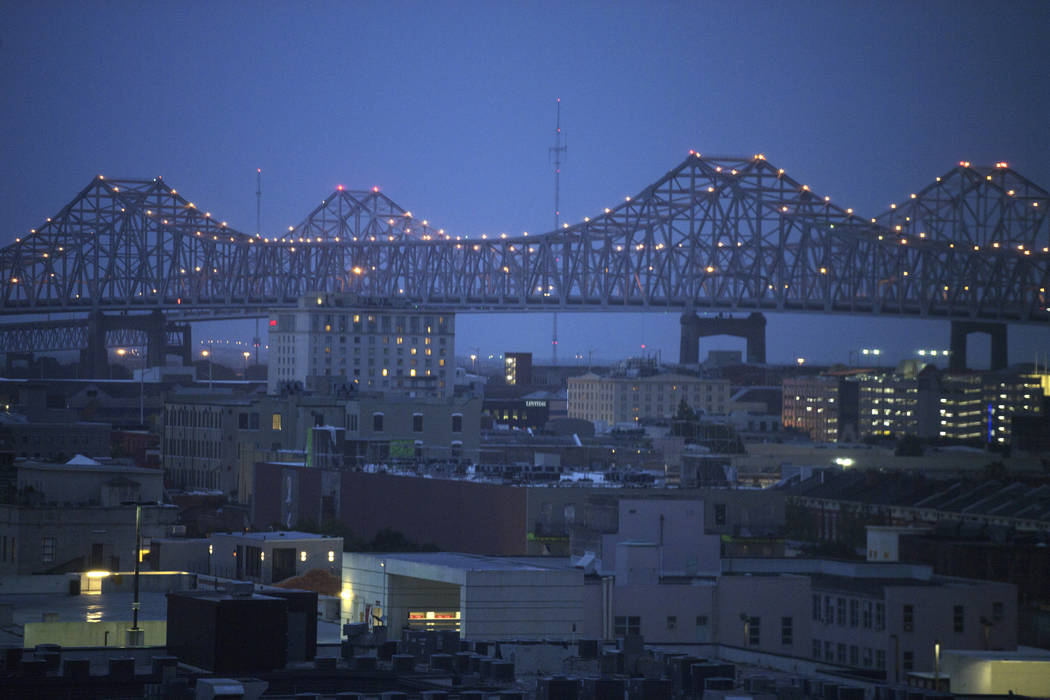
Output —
<point x="92" y="634"/>
<point x="976" y="673"/>
<point x="42" y="539"/>
<point x="676" y="524"/>
<point x="769" y="598"/>
<point x="457" y="516"/>
<point x="933" y="608"/>
<point x="535" y="604"/>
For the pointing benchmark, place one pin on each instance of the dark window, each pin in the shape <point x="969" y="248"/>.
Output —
<point x="754" y="631"/>
<point x="854" y="613"/>
<point x="880" y="616"/>
<point x="816" y="648"/>
<point x="457" y="423"/>
<point x="252" y="561"/>
<point x="253" y="423"/>
<point x="377" y="422"/>
<point x="840" y="656"/>
<point x="959" y="619"/>
<point x="867" y="614"/>
<point x="47" y="550"/>
<point x="242" y="421"/>
<point x="720" y="514"/>
<point x="816" y="607"/>
<point x="701" y="620"/>
<point x="672" y="622"/>
<point x="626" y="624"/>
<point x="908" y="660"/>
<point x="854" y="655"/>
<point x="908" y="618"/>
<point x="787" y="635"/>
<point x="880" y="659"/>
<point x="417" y="422"/>
<point x="997" y="611"/>
<point x="840" y="605"/>
<point x="867" y="657"/>
<point x="829" y="651"/>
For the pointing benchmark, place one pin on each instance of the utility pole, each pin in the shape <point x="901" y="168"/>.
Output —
<point x="557" y="150"/>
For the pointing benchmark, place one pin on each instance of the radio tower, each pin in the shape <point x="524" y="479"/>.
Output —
<point x="557" y="150"/>
<point x="258" y="233"/>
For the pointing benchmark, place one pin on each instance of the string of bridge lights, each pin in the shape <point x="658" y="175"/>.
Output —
<point x="441" y="235"/>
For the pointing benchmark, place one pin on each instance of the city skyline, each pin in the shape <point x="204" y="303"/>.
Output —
<point x="452" y="115"/>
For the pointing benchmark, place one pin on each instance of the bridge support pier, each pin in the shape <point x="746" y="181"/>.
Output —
<point x="752" y="329"/>
<point x="95" y="359"/>
<point x="961" y="331"/>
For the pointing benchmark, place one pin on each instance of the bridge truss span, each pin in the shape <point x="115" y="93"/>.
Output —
<point x="712" y="233"/>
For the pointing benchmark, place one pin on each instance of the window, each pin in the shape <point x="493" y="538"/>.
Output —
<point x="275" y="421"/>
<point x="417" y="422"/>
<point x="253" y="561"/>
<point x="253" y="423"/>
<point x="816" y="607"/>
<point x="854" y="613"/>
<point x="242" y="421"/>
<point x="626" y="624"/>
<point x="840" y="656"/>
<point x="829" y="651"/>
<point x="867" y="614"/>
<point x="754" y="631"/>
<point x="829" y="610"/>
<point x="457" y="422"/>
<point x="997" y="611"/>
<point x="377" y="422"/>
<point x="840" y="605"/>
<point x="787" y="636"/>
<point x="47" y="550"/>
<point x="908" y="618"/>
<point x="816" y="648"/>
<point x="880" y="659"/>
<point x="867" y="657"/>
<point x="720" y="514"/>
<point x="959" y="619"/>
<point x="908" y="660"/>
<point x="672" y="622"/>
<point x="880" y="616"/>
<point x="854" y="655"/>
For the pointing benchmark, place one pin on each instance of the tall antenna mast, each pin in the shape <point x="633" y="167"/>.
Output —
<point x="258" y="233"/>
<point x="258" y="201"/>
<point x="557" y="150"/>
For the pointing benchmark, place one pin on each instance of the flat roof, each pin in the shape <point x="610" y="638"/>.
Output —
<point x="476" y="562"/>
<point x="282" y="535"/>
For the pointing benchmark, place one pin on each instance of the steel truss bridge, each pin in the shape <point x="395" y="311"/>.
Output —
<point x="728" y="234"/>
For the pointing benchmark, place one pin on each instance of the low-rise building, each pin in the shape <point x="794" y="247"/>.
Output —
<point x="270" y="557"/>
<point x="78" y="516"/>
<point x="630" y="399"/>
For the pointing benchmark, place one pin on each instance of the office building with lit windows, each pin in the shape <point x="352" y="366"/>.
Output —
<point x="375" y="345"/>
<point x="811" y="405"/>
<point x="977" y="406"/>
<point x="629" y="399"/>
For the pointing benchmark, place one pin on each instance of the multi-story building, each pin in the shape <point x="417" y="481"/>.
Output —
<point x="961" y="413"/>
<point x="928" y="404"/>
<point x="629" y="399"/>
<point x="1007" y="395"/>
<point x="376" y="345"/>
<point x="212" y="441"/>
<point x="811" y="404"/>
<point x="73" y="517"/>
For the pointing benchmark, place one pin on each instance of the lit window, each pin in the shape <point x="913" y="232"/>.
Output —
<point x="331" y="555"/>
<point x="276" y="422"/>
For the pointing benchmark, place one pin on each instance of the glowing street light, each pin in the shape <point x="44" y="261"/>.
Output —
<point x="246" y="355"/>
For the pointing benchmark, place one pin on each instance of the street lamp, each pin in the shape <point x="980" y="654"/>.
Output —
<point x="206" y="354"/>
<point x="800" y="361"/>
<point x="246" y="356"/>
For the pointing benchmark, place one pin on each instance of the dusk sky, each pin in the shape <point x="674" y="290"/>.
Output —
<point x="449" y="108"/>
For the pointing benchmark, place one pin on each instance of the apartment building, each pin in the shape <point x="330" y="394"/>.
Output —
<point x="375" y="344"/>
<point x="629" y="399"/>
